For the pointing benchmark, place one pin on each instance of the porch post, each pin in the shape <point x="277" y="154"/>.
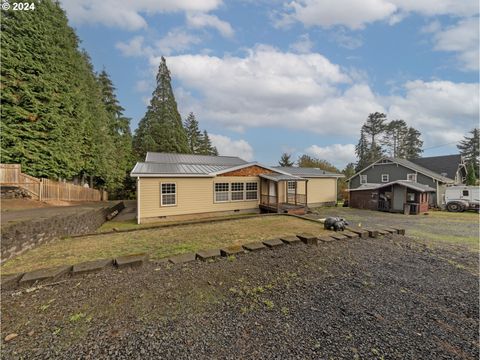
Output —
<point x="278" y="194"/>
<point x="268" y="192"/>
<point x="306" y="192"/>
<point x="296" y="183"/>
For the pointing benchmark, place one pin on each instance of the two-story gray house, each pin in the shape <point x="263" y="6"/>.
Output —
<point x="415" y="174"/>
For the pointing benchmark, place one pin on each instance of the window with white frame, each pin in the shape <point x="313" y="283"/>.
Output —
<point x="385" y="178"/>
<point x="168" y="194"/>
<point x="412" y="177"/>
<point x="237" y="191"/>
<point x="363" y="179"/>
<point x="221" y="192"/>
<point x="251" y="191"/>
<point x="291" y="186"/>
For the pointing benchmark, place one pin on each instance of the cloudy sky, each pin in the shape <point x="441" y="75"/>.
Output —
<point x="266" y="77"/>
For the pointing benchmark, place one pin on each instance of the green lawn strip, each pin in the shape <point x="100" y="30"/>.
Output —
<point x="159" y="242"/>
<point x="471" y="242"/>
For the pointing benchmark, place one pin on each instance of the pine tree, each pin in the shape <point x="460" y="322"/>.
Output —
<point x="470" y="149"/>
<point x="471" y="175"/>
<point x="362" y="151"/>
<point x="194" y="135"/>
<point x="161" y="128"/>
<point x="394" y="138"/>
<point x="285" y="160"/>
<point x="206" y="147"/>
<point x="412" y="146"/>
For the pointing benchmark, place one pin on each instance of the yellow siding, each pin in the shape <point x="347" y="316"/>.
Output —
<point x="320" y="190"/>
<point x="194" y="195"/>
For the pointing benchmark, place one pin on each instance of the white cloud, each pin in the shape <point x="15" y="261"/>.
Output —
<point x="344" y="40"/>
<point x="441" y="110"/>
<point x="356" y="14"/>
<point x="303" y="45"/>
<point x="200" y="20"/>
<point x="227" y="146"/>
<point x="176" y="41"/>
<point x="462" y="38"/>
<point x="337" y="154"/>
<point x="126" y="14"/>
<point x="142" y="86"/>
<point x="272" y="88"/>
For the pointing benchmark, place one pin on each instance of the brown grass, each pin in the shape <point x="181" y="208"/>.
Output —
<point x="160" y="242"/>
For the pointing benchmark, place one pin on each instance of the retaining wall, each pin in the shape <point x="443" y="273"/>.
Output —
<point x="25" y="235"/>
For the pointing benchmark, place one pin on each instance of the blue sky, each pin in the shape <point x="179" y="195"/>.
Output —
<point x="266" y="77"/>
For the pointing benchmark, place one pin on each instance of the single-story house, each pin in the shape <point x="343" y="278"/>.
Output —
<point x="173" y="185"/>
<point x="387" y="170"/>
<point x="396" y="196"/>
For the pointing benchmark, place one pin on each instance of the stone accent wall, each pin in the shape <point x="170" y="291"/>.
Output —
<point x="24" y="235"/>
<point x="13" y="192"/>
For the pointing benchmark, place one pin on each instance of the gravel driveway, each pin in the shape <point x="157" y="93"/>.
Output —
<point x="390" y="298"/>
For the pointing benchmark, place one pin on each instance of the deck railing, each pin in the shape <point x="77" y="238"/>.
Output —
<point x="298" y="199"/>
<point x="45" y="189"/>
<point x="268" y="200"/>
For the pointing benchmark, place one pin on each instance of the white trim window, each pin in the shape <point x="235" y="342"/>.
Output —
<point x="251" y="191"/>
<point x="237" y="193"/>
<point x="291" y="186"/>
<point x="221" y="192"/>
<point x="168" y="194"/>
<point x="363" y="179"/>
<point x="412" y="177"/>
<point x="385" y="178"/>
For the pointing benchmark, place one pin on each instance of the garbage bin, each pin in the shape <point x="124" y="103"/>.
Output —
<point x="406" y="209"/>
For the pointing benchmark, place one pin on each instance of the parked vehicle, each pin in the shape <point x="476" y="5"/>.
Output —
<point x="461" y="198"/>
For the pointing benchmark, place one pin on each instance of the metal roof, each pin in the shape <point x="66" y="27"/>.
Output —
<point x="307" y="172"/>
<point x="407" y="183"/>
<point x="191" y="159"/>
<point x="281" y="177"/>
<point x="157" y="169"/>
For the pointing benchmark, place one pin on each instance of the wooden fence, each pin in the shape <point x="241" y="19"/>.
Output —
<point x="45" y="189"/>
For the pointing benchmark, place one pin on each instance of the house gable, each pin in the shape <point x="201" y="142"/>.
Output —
<point x="253" y="170"/>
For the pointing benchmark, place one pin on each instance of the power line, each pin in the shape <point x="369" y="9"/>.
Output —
<point x="437" y="146"/>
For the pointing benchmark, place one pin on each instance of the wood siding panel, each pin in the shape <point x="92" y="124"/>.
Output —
<point x="320" y="190"/>
<point x="194" y="195"/>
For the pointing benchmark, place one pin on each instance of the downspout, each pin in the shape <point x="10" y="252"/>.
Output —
<point x="138" y="200"/>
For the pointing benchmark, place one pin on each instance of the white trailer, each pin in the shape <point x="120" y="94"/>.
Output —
<point x="461" y="198"/>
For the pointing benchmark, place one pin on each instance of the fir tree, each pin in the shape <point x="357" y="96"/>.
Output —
<point x="470" y="149"/>
<point x="161" y="128"/>
<point x="206" y="147"/>
<point x="412" y="146"/>
<point x="361" y="150"/>
<point x="471" y="175"/>
<point x="285" y="160"/>
<point x="194" y="135"/>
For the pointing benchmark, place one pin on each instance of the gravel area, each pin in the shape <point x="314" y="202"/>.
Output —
<point x="388" y="298"/>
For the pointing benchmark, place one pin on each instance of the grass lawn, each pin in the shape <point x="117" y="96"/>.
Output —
<point x="159" y="242"/>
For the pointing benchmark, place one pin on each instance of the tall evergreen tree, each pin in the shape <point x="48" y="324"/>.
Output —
<point x="194" y="135"/>
<point x="362" y="151"/>
<point x="471" y="175"/>
<point x="161" y="128"/>
<point x="394" y="138"/>
<point x="54" y="122"/>
<point x="285" y="160"/>
<point x="206" y="147"/>
<point x="412" y="145"/>
<point x="470" y="149"/>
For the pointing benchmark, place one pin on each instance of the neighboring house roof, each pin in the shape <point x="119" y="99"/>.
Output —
<point x="410" y="165"/>
<point x="408" y="184"/>
<point x="446" y="165"/>
<point x="171" y="158"/>
<point x="151" y="169"/>
<point x="307" y="172"/>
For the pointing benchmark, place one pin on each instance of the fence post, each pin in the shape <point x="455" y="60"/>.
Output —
<point x="40" y="190"/>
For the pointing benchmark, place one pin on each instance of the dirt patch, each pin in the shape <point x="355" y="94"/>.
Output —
<point x="371" y="298"/>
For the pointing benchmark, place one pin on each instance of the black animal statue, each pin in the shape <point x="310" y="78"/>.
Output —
<point x="335" y="223"/>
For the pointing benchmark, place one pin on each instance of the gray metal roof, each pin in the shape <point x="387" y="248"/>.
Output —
<point x="407" y="183"/>
<point x="157" y="169"/>
<point x="422" y="170"/>
<point x="307" y="172"/>
<point x="170" y="158"/>
<point x="281" y="177"/>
